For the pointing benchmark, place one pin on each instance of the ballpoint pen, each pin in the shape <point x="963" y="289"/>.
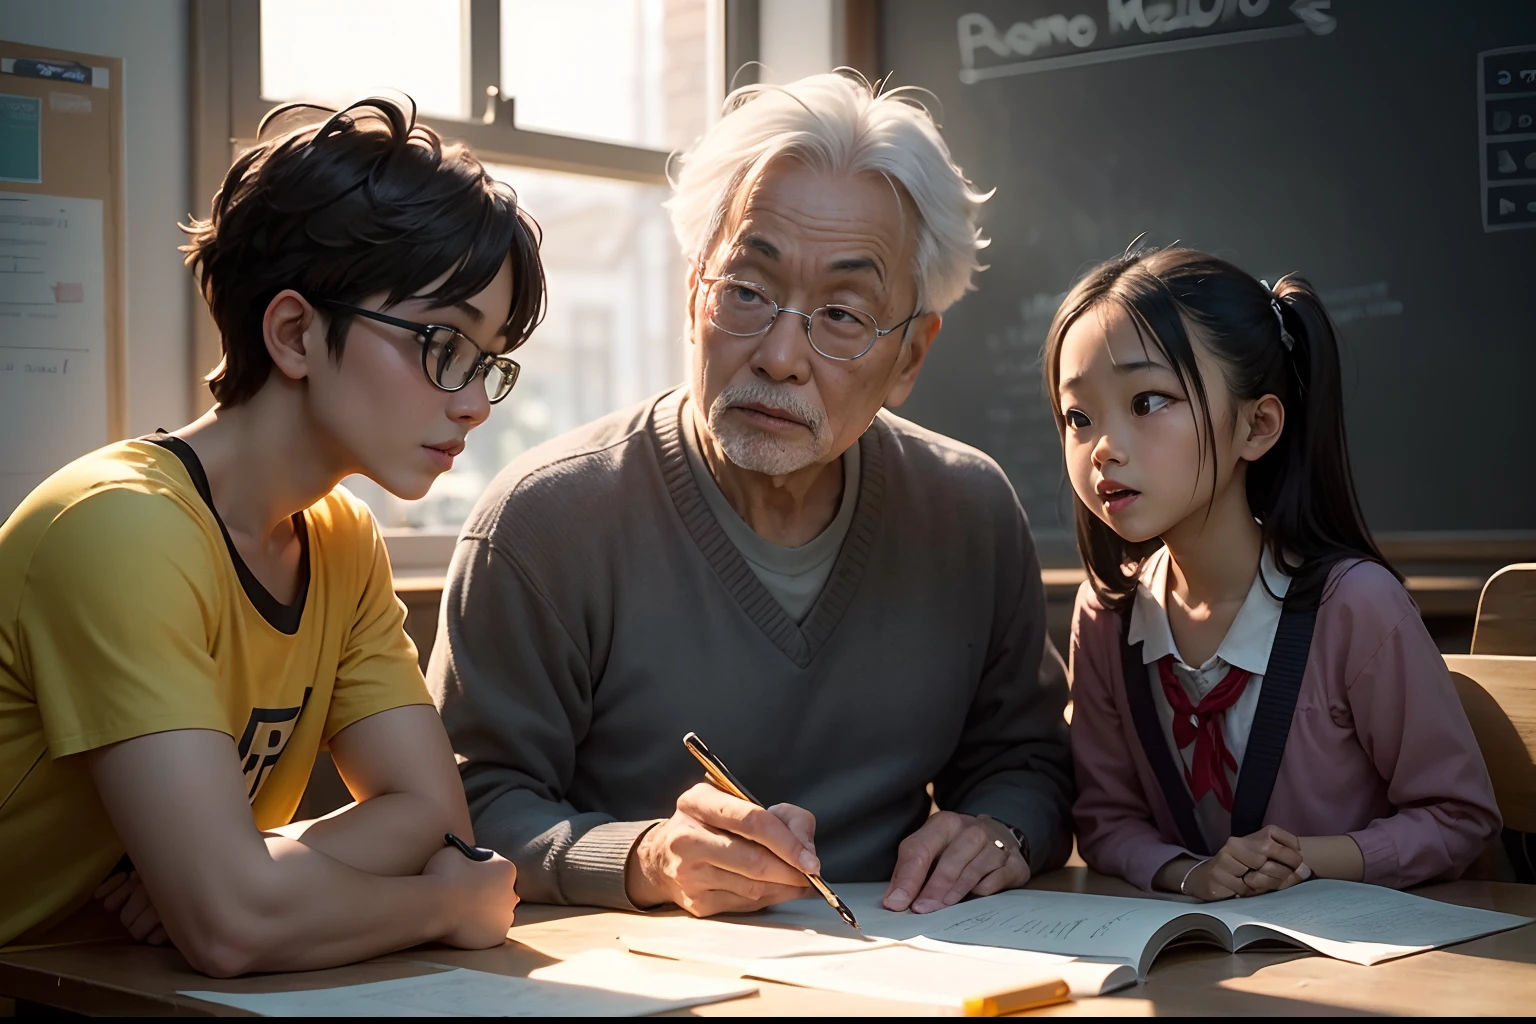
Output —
<point x="721" y="776"/>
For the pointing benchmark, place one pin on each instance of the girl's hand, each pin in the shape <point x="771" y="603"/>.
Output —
<point x="1266" y="861"/>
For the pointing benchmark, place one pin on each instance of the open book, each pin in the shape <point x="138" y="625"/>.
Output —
<point x="1363" y="924"/>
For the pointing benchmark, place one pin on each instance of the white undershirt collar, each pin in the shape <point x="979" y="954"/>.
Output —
<point x="1250" y="636"/>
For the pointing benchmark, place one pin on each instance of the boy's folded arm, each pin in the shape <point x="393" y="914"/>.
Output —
<point x="234" y="901"/>
<point x="399" y="768"/>
<point x="1412" y="726"/>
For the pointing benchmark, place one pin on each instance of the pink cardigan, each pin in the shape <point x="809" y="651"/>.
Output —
<point x="1379" y="746"/>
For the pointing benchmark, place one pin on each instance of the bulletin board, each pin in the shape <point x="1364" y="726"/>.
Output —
<point x="62" y="370"/>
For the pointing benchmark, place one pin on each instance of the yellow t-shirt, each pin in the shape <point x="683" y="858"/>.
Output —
<point x="122" y="613"/>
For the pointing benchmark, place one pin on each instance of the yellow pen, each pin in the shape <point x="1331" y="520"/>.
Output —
<point x="721" y="776"/>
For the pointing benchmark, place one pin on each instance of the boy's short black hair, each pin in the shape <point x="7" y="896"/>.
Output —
<point x="367" y="202"/>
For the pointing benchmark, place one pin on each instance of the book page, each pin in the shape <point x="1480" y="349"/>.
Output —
<point x="1072" y="924"/>
<point x="1363" y="924"/>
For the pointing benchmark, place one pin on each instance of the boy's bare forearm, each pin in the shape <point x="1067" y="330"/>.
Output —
<point x="400" y="767"/>
<point x="310" y="911"/>
<point x="391" y="835"/>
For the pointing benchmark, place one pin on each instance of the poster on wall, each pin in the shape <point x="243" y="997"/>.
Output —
<point x="21" y="138"/>
<point x="53" y="338"/>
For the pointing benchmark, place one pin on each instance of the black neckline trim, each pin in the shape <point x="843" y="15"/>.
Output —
<point x="284" y="618"/>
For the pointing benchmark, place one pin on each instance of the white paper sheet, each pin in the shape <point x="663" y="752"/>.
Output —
<point x="903" y="973"/>
<point x="611" y="969"/>
<point x="746" y="947"/>
<point x="463" y="993"/>
<point x="1086" y="978"/>
<point x="722" y="943"/>
<point x="53" y="337"/>
<point x="863" y="898"/>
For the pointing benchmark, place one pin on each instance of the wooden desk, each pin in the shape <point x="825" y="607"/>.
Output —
<point x="1493" y="975"/>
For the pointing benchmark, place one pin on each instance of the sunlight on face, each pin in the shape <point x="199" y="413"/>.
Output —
<point x="376" y="402"/>
<point x="1134" y="450"/>
<point x="807" y="240"/>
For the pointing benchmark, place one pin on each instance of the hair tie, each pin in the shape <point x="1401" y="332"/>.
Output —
<point x="1274" y="304"/>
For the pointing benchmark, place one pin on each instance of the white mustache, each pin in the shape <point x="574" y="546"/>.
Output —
<point x="784" y="397"/>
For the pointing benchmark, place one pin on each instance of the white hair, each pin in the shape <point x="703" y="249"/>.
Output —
<point x="835" y="123"/>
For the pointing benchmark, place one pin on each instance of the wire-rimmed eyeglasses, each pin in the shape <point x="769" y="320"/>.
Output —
<point x="744" y="310"/>
<point x="449" y="357"/>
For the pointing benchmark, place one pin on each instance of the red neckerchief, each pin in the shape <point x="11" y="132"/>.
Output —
<point x="1201" y="724"/>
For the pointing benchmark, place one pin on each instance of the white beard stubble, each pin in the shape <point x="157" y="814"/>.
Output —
<point x="758" y="451"/>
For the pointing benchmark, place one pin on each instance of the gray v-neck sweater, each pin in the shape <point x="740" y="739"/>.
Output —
<point x="794" y="576"/>
<point x="596" y="612"/>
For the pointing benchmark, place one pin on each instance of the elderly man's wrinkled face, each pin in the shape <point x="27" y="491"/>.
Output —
<point x="806" y="240"/>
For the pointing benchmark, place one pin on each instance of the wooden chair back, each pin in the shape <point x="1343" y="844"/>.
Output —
<point x="1506" y="613"/>
<point x="1499" y="695"/>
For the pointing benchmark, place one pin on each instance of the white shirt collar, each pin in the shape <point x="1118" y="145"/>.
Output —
<point x="1252" y="634"/>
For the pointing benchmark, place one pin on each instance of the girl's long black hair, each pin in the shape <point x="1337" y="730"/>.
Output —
<point x="1301" y="491"/>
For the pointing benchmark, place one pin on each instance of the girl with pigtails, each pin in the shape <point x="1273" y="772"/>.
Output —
<point x="1256" y="700"/>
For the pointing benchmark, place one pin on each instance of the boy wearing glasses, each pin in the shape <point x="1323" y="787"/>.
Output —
<point x="187" y="618"/>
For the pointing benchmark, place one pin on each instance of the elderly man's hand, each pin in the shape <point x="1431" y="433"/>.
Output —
<point x="957" y="855"/>
<point x="718" y="854"/>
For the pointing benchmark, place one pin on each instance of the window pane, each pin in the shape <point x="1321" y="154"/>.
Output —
<point x="613" y="335"/>
<point x="335" y="51"/>
<point x="629" y="71"/>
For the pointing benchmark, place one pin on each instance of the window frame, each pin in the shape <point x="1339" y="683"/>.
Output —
<point x="495" y="141"/>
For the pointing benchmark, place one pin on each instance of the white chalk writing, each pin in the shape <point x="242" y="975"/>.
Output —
<point x="1134" y="28"/>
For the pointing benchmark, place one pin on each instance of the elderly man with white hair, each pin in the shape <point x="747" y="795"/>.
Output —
<point x="847" y="607"/>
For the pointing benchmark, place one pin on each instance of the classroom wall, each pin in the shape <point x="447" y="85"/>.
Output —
<point x="151" y="37"/>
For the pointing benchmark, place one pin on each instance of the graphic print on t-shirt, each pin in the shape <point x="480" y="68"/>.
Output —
<point x="266" y="734"/>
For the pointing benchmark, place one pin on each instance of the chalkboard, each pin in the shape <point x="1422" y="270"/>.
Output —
<point x="1382" y="148"/>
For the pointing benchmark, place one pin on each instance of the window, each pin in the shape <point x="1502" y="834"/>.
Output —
<point x="333" y="51"/>
<point x="630" y="71"/>
<point x="576" y="104"/>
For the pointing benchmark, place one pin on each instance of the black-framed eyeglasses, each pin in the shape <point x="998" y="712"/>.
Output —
<point x="449" y="357"/>
<point x="836" y="332"/>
